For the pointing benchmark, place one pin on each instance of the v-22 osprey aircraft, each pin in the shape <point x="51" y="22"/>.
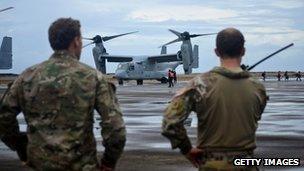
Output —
<point x="146" y="67"/>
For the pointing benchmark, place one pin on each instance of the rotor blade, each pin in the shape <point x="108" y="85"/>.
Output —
<point x="175" y="32"/>
<point x="85" y="38"/>
<point x="6" y="9"/>
<point x="173" y="41"/>
<point x="270" y="33"/>
<point x="106" y="38"/>
<point x="196" y="35"/>
<point x="87" y="44"/>
<point x="262" y="60"/>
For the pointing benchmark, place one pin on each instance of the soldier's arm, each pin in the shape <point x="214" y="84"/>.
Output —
<point x="175" y="115"/>
<point x="112" y="124"/>
<point x="263" y="100"/>
<point x="9" y="109"/>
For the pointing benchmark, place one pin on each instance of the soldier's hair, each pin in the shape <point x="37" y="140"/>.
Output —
<point x="62" y="32"/>
<point x="230" y="42"/>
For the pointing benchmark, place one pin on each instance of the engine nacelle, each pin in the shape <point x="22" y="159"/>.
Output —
<point x="99" y="50"/>
<point x="186" y="57"/>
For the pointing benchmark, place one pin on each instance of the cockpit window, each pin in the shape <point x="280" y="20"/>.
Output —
<point x="122" y="66"/>
<point x="131" y="67"/>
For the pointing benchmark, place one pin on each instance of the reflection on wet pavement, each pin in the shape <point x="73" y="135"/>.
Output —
<point x="143" y="108"/>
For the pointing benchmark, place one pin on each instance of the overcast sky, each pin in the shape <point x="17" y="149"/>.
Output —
<point x="267" y="26"/>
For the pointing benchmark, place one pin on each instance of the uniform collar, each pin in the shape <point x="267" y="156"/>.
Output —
<point x="63" y="54"/>
<point x="233" y="73"/>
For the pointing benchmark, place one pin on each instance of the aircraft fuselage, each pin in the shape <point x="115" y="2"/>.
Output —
<point x="144" y="70"/>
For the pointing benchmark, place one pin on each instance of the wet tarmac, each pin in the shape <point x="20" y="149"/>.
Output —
<point x="280" y="132"/>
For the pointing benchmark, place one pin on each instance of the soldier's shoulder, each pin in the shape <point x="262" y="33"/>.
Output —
<point x="199" y="84"/>
<point x="86" y="67"/>
<point x="104" y="82"/>
<point x="256" y="83"/>
<point x="36" y="66"/>
<point x="32" y="69"/>
<point x="203" y="79"/>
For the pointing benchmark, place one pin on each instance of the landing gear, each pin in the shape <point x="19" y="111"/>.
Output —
<point x="120" y="81"/>
<point x="139" y="82"/>
<point x="164" y="80"/>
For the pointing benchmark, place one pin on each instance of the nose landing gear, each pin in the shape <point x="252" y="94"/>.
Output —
<point x="120" y="81"/>
<point x="139" y="82"/>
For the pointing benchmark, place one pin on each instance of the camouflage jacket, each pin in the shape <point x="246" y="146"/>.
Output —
<point x="228" y="105"/>
<point x="58" y="98"/>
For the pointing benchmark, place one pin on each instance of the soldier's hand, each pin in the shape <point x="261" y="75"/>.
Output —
<point x="17" y="143"/>
<point x="105" y="168"/>
<point x="195" y="156"/>
<point x="22" y="146"/>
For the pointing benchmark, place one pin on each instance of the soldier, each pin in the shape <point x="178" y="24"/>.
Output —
<point x="174" y="77"/>
<point x="286" y="76"/>
<point x="228" y="103"/>
<point x="264" y="76"/>
<point x="298" y="76"/>
<point x="279" y="76"/>
<point x="170" y="78"/>
<point x="58" y="98"/>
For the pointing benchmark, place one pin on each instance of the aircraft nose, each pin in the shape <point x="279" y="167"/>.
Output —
<point x="121" y="74"/>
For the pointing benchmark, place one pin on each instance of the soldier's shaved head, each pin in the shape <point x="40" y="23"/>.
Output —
<point x="230" y="43"/>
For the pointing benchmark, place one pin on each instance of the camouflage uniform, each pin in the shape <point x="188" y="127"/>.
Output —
<point x="228" y="104"/>
<point x="58" y="98"/>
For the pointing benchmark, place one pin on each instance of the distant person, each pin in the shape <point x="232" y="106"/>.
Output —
<point x="58" y="98"/>
<point x="286" y="76"/>
<point x="170" y="78"/>
<point x="174" y="77"/>
<point x="279" y="76"/>
<point x="298" y="76"/>
<point x="264" y="76"/>
<point x="228" y="102"/>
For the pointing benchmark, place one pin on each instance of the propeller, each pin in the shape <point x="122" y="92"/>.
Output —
<point x="87" y="44"/>
<point x="175" y="32"/>
<point x="106" y="38"/>
<point x="184" y="36"/>
<point x="173" y="41"/>
<point x="99" y="39"/>
<point x="6" y="9"/>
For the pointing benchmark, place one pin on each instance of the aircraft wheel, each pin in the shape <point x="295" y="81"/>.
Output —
<point x="139" y="82"/>
<point x="120" y="82"/>
<point x="164" y="80"/>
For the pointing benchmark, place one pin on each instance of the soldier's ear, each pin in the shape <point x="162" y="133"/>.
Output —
<point x="243" y="51"/>
<point x="78" y="41"/>
<point x="217" y="52"/>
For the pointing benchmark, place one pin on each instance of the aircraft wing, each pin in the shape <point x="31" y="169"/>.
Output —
<point x="164" y="58"/>
<point x="116" y="58"/>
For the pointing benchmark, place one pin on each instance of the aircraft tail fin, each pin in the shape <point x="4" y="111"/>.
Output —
<point x="163" y="50"/>
<point x="6" y="53"/>
<point x="195" y="57"/>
